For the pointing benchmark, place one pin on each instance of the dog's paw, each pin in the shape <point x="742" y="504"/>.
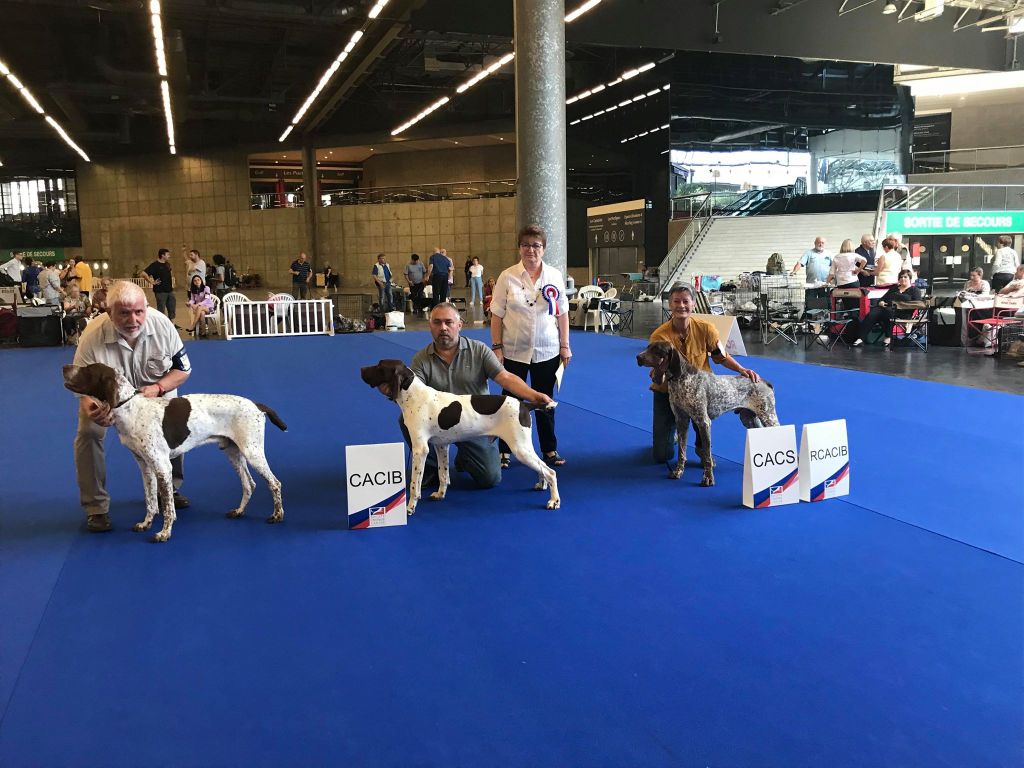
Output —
<point x="143" y="526"/>
<point x="437" y="495"/>
<point x="234" y="514"/>
<point x="277" y="517"/>
<point x="540" y="486"/>
<point x="675" y="474"/>
<point x="160" y="537"/>
<point x="553" y="504"/>
<point x="707" y="480"/>
<point x="410" y="510"/>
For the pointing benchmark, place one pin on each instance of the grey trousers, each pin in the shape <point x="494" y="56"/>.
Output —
<point x="664" y="430"/>
<point x="166" y="303"/>
<point x="478" y="456"/>
<point x="91" y="467"/>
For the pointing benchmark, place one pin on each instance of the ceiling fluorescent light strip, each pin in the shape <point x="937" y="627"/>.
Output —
<point x="26" y="94"/>
<point x="645" y="133"/>
<point x="334" y="66"/>
<point x="156" y="22"/>
<point x="626" y="103"/>
<point x="627" y="75"/>
<point x="490" y="70"/>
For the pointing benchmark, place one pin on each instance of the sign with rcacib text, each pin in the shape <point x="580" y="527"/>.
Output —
<point x="375" y="477"/>
<point x="771" y="467"/>
<point x="824" y="461"/>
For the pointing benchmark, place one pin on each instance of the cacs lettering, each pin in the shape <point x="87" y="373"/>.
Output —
<point x="774" y="459"/>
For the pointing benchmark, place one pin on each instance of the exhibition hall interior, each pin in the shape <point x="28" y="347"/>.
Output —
<point x="679" y="344"/>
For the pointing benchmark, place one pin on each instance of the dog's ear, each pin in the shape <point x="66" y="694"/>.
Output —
<point x="675" y="369"/>
<point x="405" y="377"/>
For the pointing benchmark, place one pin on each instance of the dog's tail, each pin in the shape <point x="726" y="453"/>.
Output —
<point x="539" y="406"/>
<point x="272" y="415"/>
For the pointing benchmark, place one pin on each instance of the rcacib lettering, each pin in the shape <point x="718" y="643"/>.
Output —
<point x="829" y="453"/>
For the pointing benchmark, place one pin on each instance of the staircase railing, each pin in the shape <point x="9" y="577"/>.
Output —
<point x="676" y="258"/>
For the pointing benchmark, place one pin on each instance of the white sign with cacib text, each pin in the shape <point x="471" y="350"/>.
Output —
<point x="824" y="461"/>
<point x="375" y="478"/>
<point x="771" y="467"/>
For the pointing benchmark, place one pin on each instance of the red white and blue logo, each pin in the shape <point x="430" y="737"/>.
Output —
<point x="830" y="483"/>
<point x="552" y="294"/>
<point x="361" y="519"/>
<point x="763" y="498"/>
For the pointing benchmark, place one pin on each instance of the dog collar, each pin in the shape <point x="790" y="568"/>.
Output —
<point x="126" y="400"/>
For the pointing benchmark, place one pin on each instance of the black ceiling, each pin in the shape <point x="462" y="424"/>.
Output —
<point x="239" y="69"/>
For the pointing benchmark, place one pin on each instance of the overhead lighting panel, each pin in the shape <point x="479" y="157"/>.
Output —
<point x="161" y="67"/>
<point x="26" y="94"/>
<point x="587" y="6"/>
<point x="328" y="73"/>
<point x="645" y="133"/>
<point x="627" y="75"/>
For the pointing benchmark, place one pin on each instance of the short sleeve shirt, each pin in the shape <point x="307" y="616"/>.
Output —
<point x="701" y="340"/>
<point x="303" y="268"/>
<point x="157" y="350"/>
<point x="817" y="265"/>
<point x="414" y="272"/>
<point x="529" y="321"/>
<point x="160" y="271"/>
<point x="473" y="366"/>
<point x="441" y="264"/>
<point x="84" y="275"/>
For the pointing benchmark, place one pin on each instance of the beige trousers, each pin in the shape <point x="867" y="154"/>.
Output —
<point x="91" y="467"/>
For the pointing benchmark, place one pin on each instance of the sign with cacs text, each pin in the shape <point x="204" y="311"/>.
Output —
<point x="375" y="479"/>
<point x="771" y="467"/>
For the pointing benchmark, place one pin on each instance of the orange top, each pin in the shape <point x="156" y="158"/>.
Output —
<point x="701" y="340"/>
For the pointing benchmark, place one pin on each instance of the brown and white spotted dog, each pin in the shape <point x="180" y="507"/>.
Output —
<point x="435" y="418"/>
<point x="701" y="397"/>
<point x="157" y="430"/>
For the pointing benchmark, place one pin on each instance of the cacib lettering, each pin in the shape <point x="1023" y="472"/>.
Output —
<point x="774" y="459"/>
<point x="377" y="478"/>
<point x="834" y="452"/>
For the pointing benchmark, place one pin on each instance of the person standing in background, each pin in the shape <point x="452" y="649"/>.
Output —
<point x="1004" y="263"/>
<point x="866" y="276"/>
<point x="301" y="271"/>
<point x="465" y="268"/>
<point x="30" y="277"/>
<point x="382" y="279"/>
<point x="82" y="271"/>
<point x="415" y="274"/>
<point x="438" y="270"/>
<point x="160" y="277"/>
<point x="195" y="265"/>
<point x="476" y="281"/>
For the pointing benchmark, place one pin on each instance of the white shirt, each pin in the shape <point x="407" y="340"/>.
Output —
<point x="13" y="269"/>
<point x="842" y="267"/>
<point x="476" y="270"/>
<point x="529" y="330"/>
<point x="1005" y="260"/>
<point x="147" y="363"/>
<point x="199" y="268"/>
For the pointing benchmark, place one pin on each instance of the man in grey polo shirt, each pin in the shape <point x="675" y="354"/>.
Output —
<point x="144" y="347"/>
<point x="453" y="363"/>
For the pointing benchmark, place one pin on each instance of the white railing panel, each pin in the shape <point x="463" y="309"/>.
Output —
<point x="251" y="319"/>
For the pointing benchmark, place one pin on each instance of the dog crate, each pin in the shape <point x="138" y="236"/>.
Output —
<point x="354" y="306"/>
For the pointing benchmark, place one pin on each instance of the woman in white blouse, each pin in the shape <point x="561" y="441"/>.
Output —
<point x="846" y="265"/>
<point x="476" y="281"/>
<point x="888" y="263"/>
<point x="530" y="329"/>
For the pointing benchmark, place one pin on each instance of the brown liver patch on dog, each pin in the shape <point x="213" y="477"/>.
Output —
<point x="176" y="421"/>
<point x="487" y="405"/>
<point x="450" y="415"/>
<point x="524" y="414"/>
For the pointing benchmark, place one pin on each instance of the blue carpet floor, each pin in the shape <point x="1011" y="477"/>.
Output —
<point x="646" y="623"/>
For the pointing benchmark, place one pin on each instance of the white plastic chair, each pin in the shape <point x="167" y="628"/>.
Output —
<point x="595" y="311"/>
<point x="579" y="305"/>
<point x="213" y="316"/>
<point x="227" y="316"/>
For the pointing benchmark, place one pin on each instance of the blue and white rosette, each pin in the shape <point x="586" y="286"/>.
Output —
<point x="552" y="295"/>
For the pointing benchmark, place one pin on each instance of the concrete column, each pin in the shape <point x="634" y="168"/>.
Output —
<point x="312" y="201"/>
<point x="540" y="121"/>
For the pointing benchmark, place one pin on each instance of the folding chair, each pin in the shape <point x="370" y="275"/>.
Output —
<point x="618" y="320"/>
<point x="988" y="323"/>
<point x="915" y="327"/>
<point x="829" y="328"/>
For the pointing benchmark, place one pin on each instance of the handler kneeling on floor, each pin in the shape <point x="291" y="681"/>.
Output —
<point x="143" y="346"/>
<point x="461" y="366"/>
<point x="694" y="339"/>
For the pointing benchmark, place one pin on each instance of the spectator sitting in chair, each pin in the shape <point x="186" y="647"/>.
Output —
<point x="975" y="285"/>
<point x="200" y="304"/>
<point x="1015" y="288"/>
<point x="76" y="312"/>
<point x="99" y="297"/>
<point x="886" y="311"/>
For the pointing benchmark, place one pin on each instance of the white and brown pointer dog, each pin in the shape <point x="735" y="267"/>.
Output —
<point x="157" y="430"/>
<point x="701" y="397"/>
<point x="435" y="418"/>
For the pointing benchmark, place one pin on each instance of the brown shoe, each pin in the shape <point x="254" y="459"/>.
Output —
<point x="99" y="523"/>
<point x="180" y="502"/>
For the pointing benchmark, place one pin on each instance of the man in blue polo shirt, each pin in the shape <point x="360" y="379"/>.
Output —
<point x="438" y="269"/>
<point x="816" y="261"/>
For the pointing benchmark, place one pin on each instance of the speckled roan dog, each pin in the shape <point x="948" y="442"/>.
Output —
<point x="439" y="418"/>
<point x="157" y="430"/>
<point x="701" y="397"/>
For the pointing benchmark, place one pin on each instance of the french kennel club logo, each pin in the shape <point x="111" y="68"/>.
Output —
<point x="832" y="485"/>
<point x="775" y="492"/>
<point x="375" y="516"/>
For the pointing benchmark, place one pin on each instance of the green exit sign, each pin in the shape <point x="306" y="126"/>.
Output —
<point x="954" y="222"/>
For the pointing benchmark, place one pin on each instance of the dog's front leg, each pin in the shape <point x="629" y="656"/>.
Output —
<point x="419" y="459"/>
<point x="682" y="433"/>
<point x="703" y="427"/>
<point x="441" y="453"/>
<point x="149" y="487"/>
<point x="166" y="489"/>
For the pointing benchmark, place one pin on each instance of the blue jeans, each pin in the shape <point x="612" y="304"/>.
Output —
<point x="384" y="297"/>
<point x="476" y="289"/>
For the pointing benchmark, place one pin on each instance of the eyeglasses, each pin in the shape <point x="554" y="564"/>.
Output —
<point x="532" y="246"/>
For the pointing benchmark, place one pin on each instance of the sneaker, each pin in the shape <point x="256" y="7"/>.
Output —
<point x="180" y="502"/>
<point x="99" y="523"/>
<point x="858" y="342"/>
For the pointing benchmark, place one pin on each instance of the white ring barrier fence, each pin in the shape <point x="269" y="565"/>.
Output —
<point x="243" y="319"/>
